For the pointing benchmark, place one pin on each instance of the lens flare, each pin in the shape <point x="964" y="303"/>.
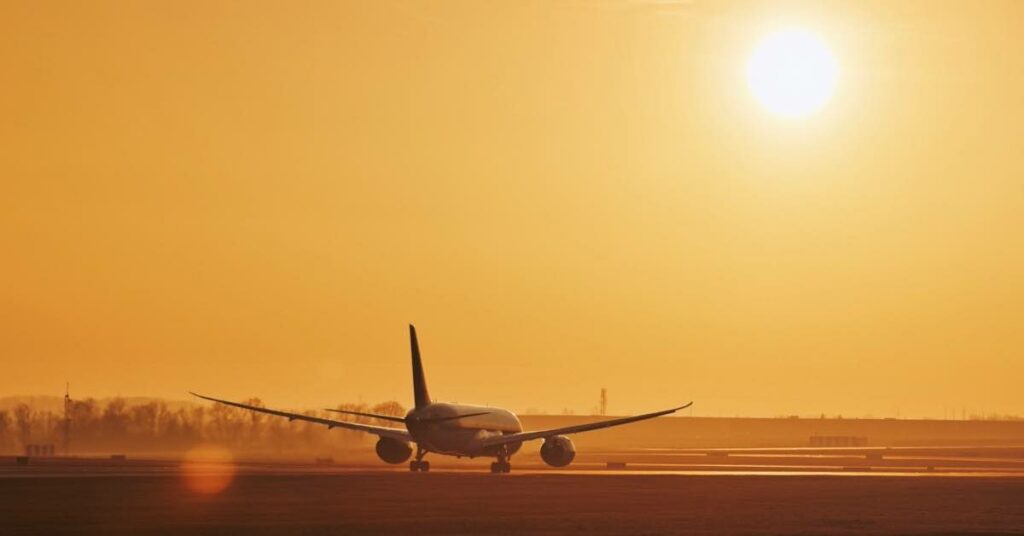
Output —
<point x="208" y="469"/>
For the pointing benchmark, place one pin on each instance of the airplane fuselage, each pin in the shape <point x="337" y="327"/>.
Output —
<point x="461" y="436"/>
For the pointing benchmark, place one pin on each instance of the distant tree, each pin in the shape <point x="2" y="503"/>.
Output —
<point x="48" y="426"/>
<point x="226" y="423"/>
<point x="256" y="420"/>
<point x="23" y="422"/>
<point x="163" y="420"/>
<point x="84" y="428"/>
<point x="389" y="408"/>
<point x="278" y="435"/>
<point x="193" y="423"/>
<point x="114" y="423"/>
<point x="142" y="420"/>
<point x="6" y="438"/>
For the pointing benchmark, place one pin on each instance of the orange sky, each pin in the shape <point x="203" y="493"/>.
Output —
<point x="254" y="198"/>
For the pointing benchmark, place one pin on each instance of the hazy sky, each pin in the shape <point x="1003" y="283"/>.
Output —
<point x="255" y="198"/>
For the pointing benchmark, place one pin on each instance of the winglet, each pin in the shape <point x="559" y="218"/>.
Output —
<point x="419" y="382"/>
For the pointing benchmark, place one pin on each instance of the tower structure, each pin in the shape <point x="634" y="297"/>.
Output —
<point x="67" y="420"/>
<point x="604" y="401"/>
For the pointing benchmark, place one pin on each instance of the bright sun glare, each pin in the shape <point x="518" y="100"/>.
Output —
<point x="792" y="73"/>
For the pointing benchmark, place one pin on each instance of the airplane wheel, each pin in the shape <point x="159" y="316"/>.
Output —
<point x="414" y="466"/>
<point x="495" y="467"/>
<point x="424" y="466"/>
<point x="507" y="467"/>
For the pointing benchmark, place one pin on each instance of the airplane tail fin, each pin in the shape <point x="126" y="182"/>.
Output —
<point x="419" y="382"/>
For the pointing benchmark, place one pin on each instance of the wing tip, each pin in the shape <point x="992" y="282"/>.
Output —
<point x="204" y="397"/>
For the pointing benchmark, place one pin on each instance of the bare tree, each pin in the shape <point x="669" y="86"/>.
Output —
<point x="114" y="423"/>
<point x="142" y="420"/>
<point x="256" y="420"/>
<point x="389" y="408"/>
<point x="6" y="438"/>
<point x="23" y="421"/>
<point x="227" y="424"/>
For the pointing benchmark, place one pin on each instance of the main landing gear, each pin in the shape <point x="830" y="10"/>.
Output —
<point x="502" y="465"/>
<point x="418" y="464"/>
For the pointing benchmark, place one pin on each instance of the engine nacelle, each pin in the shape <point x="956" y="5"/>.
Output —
<point x="557" y="451"/>
<point x="393" y="450"/>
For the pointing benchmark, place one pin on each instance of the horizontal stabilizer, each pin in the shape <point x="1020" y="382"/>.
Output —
<point x="451" y="418"/>
<point x="400" y="419"/>
<point x="373" y="415"/>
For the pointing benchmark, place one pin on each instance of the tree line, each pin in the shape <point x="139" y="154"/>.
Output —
<point x="156" y="427"/>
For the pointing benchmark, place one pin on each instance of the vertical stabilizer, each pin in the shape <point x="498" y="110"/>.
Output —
<point x="419" y="382"/>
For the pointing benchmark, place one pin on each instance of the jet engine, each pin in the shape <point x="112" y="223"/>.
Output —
<point x="557" y="451"/>
<point x="393" y="450"/>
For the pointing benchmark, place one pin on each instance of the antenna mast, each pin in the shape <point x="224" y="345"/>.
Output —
<point x="67" y="419"/>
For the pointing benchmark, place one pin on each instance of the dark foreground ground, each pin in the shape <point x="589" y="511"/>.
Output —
<point x="158" y="501"/>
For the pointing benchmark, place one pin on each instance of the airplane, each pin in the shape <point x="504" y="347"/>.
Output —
<point x="455" y="429"/>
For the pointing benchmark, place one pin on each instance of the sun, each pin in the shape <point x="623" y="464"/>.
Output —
<point x="792" y="73"/>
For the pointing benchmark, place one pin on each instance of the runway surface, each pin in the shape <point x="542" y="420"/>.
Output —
<point x="162" y="497"/>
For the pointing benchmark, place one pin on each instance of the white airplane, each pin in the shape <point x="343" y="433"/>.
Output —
<point x="456" y="429"/>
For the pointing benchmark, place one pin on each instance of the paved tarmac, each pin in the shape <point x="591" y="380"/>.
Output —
<point x="166" y="497"/>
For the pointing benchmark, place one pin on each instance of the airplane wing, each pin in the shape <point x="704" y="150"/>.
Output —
<point x="543" y="434"/>
<point x="382" y="431"/>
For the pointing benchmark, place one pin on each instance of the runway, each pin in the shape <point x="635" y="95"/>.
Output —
<point x="161" y="497"/>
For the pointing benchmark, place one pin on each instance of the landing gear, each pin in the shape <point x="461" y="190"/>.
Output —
<point x="502" y="465"/>
<point x="418" y="464"/>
